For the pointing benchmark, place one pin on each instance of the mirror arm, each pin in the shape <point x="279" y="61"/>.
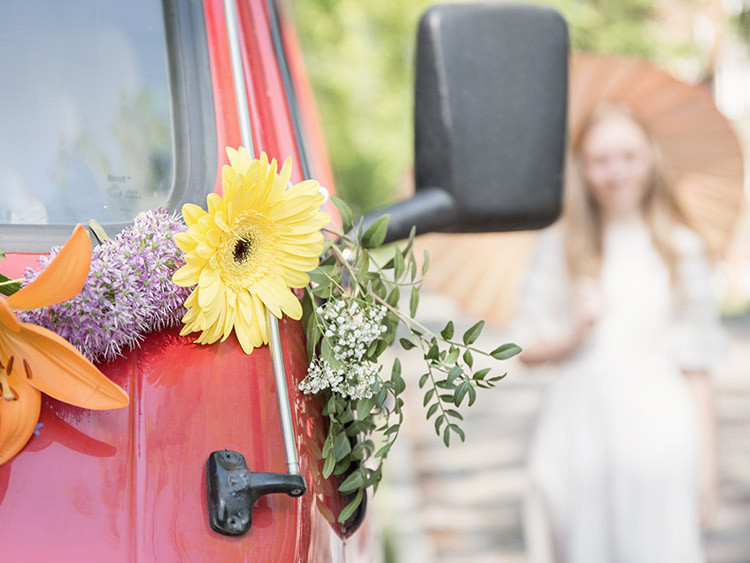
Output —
<point x="430" y="209"/>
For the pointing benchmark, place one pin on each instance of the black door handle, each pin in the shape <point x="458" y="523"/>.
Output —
<point x="233" y="489"/>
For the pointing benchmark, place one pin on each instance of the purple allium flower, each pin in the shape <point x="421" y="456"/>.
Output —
<point x="129" y="292"/>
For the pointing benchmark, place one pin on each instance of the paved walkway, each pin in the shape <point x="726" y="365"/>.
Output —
<point x="463" y="504"/>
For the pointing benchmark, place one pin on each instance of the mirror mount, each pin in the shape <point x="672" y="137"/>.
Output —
<point x="430" y="209"/>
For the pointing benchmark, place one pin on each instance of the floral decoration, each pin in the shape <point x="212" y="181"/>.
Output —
<point x="230" y="265"/>
<point x="35" y="360"/>
<point x="247" y="251"/>
<point x="128" y="292"/>
<point x="361" y="294"/>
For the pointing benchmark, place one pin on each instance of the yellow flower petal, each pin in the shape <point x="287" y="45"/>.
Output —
<point x="261" y="318"/>
<point x="191" y="213"/>
<point x="61" y="371"/>
<point x="186" y="276"/>
<point x="62" y="279"/>
<point x="185" y="242"/>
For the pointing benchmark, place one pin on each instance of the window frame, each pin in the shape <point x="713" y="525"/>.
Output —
<point x="194" y="141"/>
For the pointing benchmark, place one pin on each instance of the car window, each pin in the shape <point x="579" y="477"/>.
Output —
<point x="84" y="111"/>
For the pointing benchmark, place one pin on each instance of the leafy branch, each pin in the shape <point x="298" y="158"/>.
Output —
<point x="352" y="292"/>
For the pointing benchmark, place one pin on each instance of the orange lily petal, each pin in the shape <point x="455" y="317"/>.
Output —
<point x="62" y="279"/>
<point x="7" y="317"/>
<point x="18" y="418"/>
<point x="61" y="371"/>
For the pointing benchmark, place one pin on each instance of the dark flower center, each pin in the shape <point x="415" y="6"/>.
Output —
<point x="242" y="250"/>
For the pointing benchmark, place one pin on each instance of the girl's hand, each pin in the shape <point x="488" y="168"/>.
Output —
<point x="588" y="304"/>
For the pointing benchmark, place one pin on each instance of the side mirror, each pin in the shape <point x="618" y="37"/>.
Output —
<point x="489" y="120"/>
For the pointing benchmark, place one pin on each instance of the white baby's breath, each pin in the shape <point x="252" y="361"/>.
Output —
<point x="350" y="327"/>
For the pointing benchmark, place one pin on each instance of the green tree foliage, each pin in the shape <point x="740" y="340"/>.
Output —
<point x="359" y="56"/>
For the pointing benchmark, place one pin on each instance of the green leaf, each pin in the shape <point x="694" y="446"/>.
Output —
<point x="454" y="372"/>
<point x="426" y="263"/>
<point x="498" y="377"/>
<point x="399" y="267"/>
<point x="473" y="333"/>
<point x="447" y="436"/>
<point x="363" y="264"/>
<point x="353" y="482"/>
<point x="346" y="416"/>
<point x="458" y="431"/>
<point x="330" y="407"/>
<point x="412" y="267"/>
<point x="327" y="446"/>
<point x="328" y="467"/>
<point x="461" y="393"/>
<point x="351" y="507"/>
<point x="364" y="407"/>
<point x="375" y="235"/>
<point x="410" y="241"/>
<point x="391" y="429"/>
<point x="428" y="396"/>
<point x="454" y="414"/>
<point x="472" y="394"/>
<point x="505" y="351"/>
<point x="413" y="301"/>
<point x="452" y="356"/>
<point x="347" y="217"/>
<point x="393" y="297"/>
<point x="479" y="375"/>
<point x="438" y="423"/>
<point x="433" y="352"/>
<point x="432" y="410"/>
<point x="468" y="358"/>
<point x="376" y="349"/>
<point x="423" y="380"/>
<point x="343" y="466"/>
<point x="447" y="332"/>
<point x="378" y="288"/>
<point x="322" y="275"/>
<point x="359" y="451"/>
<point x="341" y="447"/>
<point x="406" y="344"/>
<point x="398" y="382"/>
<point x="380" y="397"/>
<point x="8" y="288"/>
<point x="323" y="291"/>
<point x="396" y="370"/>
<point x="382" y="452"/>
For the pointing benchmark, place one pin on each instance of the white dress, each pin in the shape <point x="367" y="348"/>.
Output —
<point x="613" y="463"/>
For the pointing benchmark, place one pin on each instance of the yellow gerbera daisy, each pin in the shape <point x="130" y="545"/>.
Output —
<point x="247" y="251"/>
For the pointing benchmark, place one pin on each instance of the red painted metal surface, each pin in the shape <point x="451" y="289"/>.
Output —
<point x="129" y="485"/>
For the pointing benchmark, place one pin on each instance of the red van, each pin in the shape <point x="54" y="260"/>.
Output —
<point x="111" y="108"/>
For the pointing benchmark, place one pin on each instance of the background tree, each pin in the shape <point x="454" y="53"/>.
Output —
<point x="359" y="56"/>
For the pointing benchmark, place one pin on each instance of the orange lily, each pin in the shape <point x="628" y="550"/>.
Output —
<point x="34" y="360"/>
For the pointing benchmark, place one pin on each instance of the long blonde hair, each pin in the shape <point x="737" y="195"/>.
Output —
<point x="582" y="220"/>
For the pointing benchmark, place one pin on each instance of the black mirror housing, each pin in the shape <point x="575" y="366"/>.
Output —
<point x="490" y="113"/>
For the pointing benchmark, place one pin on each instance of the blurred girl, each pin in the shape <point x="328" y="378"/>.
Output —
<point x="623" y="463"/>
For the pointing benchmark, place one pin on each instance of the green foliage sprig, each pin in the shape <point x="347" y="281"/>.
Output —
<point x="351" y="314"/>
<point x="8" y="286"/>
